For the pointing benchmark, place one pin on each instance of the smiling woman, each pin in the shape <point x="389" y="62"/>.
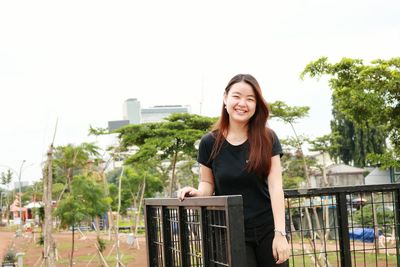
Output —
<point x="241" y="156"/>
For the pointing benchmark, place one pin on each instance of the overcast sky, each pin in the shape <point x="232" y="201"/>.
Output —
<point x="78" y="61"/>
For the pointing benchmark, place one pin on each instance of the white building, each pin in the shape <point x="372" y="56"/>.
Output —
<point x="134" y="114"/>
<point x="158" y="113"/>
<point x="131" y="111"/>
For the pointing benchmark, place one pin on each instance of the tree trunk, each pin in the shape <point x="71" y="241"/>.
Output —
<point x="109" y="212"/>
<point x="171" y="185"/>
<point x="139" y="209"/>
<point x="97" y="229"/>
<point x="49" y="246"/>
<point x="317" y="260"/>
<point x="326" y="202"/>
<point x="72" y="246"/>
<point x="117" y="224"/>
<point x="69" y="178"/>
<point x="376" y="229"/>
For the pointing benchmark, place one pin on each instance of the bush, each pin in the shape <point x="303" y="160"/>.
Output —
<point x="41" y="240"/>
<point x="10" y="257"/>
<point x="384" y="216"/>
<point x="101" y="243"/>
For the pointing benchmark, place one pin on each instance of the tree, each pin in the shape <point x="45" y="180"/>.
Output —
<point x="293" y="163"/>
<point x="85" y="201"/>
<point x="33" y="192"/>
<point x="6" y="178"/>
<point x="290" y="115"/>
<point x="354" y="142"/>
<point x="132" y="180"/>
<point x="369" y="97"/>
<point x="324" y="145"/>
<point x="281" y="111"/>
<point x="70" y="160"/>
<point x="169" y="140"/>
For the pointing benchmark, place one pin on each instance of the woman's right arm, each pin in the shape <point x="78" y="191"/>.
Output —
<point x="206" y="185"/>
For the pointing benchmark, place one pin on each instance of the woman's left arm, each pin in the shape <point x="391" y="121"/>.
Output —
<point x="280" y="245"/>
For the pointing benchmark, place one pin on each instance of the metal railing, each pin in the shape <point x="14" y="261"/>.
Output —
<point x="344" y="226"/>
<point x="195" y="232"/>
<point x="327" y="227"/>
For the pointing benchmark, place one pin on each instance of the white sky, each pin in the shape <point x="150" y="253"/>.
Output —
<point x="79" y="60"/>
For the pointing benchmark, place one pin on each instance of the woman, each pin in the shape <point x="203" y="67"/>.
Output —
<point x="242" y="156"/>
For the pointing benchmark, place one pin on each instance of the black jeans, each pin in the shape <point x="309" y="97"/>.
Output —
<point x="259" y="247"/>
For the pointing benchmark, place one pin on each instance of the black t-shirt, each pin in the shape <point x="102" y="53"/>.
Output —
<point x="232" y="178"/>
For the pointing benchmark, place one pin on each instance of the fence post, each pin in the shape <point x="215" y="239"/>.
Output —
<point x="205" y="236"/>
<point x="397" y="222"/>
<point x="345" y="255"/>
<point x="183" y="236"/>
<point x="236" y="232"/>
<point x="149" y="236"/>
<point x="166" y="234"/>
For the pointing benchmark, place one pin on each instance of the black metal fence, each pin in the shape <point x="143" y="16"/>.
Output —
<point x="344" y="226"/>
<point x="195" y="232"/>
<point x="338" y="226"/>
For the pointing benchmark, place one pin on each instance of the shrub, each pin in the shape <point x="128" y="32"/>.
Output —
<point x="10" y="256"/>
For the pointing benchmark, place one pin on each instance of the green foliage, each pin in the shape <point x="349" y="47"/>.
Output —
<point x="57" y="188"/>
<point x="178" y="133"/>
<point x="288" y="114"/>
<point x="292" y="182"/>
<point x="41" y="240"/>
<point x="165" y="143"/>
<point x="85" y="201"/>
<point x="294" y="144"/>
<point x="6" y="177"/>
<point x="386" y="160"/>
<point x="41" y="213"/>
<point x="354" y="142"/>
<point x="10" y="256"/>
<point x="364" y="216"/>
<point x="185" y="174"/>
<point x="132" y="180"/>
<point x="293" y="170"/>
<point x="70" y="160"/>
<point x="97" y="131"/>
<point x="101" y="244"/>
<point x="33" y="192"/>
<point x="325" y="143"/>
<point x="366" y="104"/>
<point x="70" y="211"/>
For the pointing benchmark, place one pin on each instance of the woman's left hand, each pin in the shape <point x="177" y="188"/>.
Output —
<point x="280" y="248"/>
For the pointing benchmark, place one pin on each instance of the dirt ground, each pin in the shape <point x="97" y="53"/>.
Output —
<point x="85" y="253"/>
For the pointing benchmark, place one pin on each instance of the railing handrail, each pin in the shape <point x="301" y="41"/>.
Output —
<point x="190" y="220"/>
<point x="214" y="201"/>
<point x="304" y="192"/>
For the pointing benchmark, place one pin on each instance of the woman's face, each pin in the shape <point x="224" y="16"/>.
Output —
<point x="240" y="102"/>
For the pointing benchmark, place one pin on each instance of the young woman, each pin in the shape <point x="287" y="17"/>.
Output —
<point x="242" y="156"/>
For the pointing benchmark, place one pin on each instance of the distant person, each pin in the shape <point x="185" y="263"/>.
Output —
<point x="241" y="156"/>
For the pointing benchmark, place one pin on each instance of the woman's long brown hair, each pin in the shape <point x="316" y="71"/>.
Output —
<point x="259" y="135"/>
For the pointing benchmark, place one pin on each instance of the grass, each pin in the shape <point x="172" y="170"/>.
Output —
<point x="360" y="259"/>
<point x="9" y="228"/>
<point x="61" y="246"/>
<point x="111" y="260"/>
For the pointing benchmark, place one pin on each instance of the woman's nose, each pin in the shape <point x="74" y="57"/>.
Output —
<point x="242" y="102"/>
